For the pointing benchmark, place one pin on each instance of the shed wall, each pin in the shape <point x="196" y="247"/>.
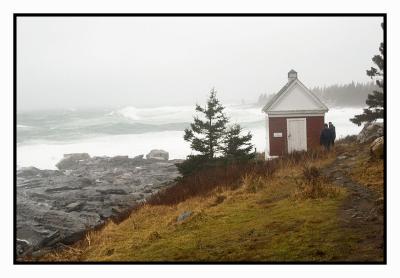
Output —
<point x="314" y="127"/>
<point x="278" y="145"/>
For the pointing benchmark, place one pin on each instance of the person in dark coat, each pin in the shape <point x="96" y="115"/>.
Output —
<point x="333" y="132"/>
<point x="326" y="137"/>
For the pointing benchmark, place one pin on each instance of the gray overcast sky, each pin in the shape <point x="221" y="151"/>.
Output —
<point x="67" y="62"/>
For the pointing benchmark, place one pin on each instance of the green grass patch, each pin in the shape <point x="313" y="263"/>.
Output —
<point x="241" y="229"/>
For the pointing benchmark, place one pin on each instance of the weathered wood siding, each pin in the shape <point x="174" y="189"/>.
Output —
<point x="278" y="145"/>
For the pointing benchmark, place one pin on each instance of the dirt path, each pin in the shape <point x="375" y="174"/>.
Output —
<point x="361" y="212"/>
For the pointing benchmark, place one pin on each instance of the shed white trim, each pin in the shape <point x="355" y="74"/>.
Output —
<point x="284" y="114"/>
<point x="307" y="100"/>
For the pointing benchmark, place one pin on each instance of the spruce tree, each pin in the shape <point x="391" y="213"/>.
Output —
<point x="236" y="145"/>
<point x="375" y="101"/>
<point x="205" y="133"/>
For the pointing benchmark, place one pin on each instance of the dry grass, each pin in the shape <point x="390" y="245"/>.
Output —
<point x="361" y="167"/>
<point x="254" y="219"/>
<point x="253" y="183"/>
<point x="203" y="182"/>
<point x="232" y="176"/>
<point x="314" y="185"/>
<point x="369" y="172"/>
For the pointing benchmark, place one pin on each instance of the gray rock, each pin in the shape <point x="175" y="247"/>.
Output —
<point x="183" y="216"/>
<point x="59" y="206"/>
<point x="106" y="213"/>
<point x="51" y="239"/>
<point x="112" y="191"/>
<point x="380" y="201"/>
<point x="370" y="132"/>
<point x="23" y="247"/>
<point x="25" y="172"/>
<point x="76" y="206"/>
<point x="377" y="147"/>
<point x="40" y="253"/>
<point x="158" y="154"/>
<point x="71" y="161"/>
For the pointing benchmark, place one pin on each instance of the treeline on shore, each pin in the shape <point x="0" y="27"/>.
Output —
<point x="337" y="95"/>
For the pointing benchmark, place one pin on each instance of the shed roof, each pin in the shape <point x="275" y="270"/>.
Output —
<point x="319" y="105"/>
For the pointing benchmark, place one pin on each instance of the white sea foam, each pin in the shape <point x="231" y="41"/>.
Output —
<point x="45" y="155"/>
<point x="24" y="126"/>
<point x="340" y="117"/>
<point x="157" y="115"/>
<point x="176" y="114"/>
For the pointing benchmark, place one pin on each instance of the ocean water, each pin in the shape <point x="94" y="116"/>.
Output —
<point x="43" y="137"/>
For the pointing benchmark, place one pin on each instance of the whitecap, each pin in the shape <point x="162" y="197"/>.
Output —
<point x="24" y="126"/>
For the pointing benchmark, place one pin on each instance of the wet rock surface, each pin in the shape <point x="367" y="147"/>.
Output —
<point x="58" y="206"/>
<point x="377" y="147"/>
<point x="370" y="132"/>
<point x="183" y="216"/>
<point x="158" y="154"/>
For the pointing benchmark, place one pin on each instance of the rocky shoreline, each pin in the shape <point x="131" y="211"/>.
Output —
<point x="58" y="206"/>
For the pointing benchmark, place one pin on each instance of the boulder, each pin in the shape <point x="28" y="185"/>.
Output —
<point x="77" y="156"/>
<point x="183" y="216"/>
<point x="51" y="239"/>
<point x="23" y="247"/>
<point x="71" y="161"/>
<point x="26" y="172"/>
<point x="370" y="132"/>
<point x="139" y="157"/>
<point x="158" y="154"/>
<point x="119" y="160"/>
<point x="376" y="148"/>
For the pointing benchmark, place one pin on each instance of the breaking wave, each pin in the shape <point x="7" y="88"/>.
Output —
<point x="173" y="114"/>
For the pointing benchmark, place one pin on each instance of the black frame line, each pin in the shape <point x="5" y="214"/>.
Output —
<point x="15" y="17"/>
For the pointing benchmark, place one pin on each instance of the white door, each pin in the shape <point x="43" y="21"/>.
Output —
<point x="297" y="134"/>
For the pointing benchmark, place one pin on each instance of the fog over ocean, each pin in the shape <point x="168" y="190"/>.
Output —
<point x="44" y="136"/>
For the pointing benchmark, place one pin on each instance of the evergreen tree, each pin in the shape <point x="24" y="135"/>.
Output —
<point x="205" y="134"/>
<point x="375" y="101"/>
<point x="235" y="145"/>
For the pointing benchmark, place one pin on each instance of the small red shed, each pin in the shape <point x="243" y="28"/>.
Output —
<point x="295" y="118"/>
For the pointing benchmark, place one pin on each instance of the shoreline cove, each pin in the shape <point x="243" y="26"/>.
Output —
<point x="121" y="133"/>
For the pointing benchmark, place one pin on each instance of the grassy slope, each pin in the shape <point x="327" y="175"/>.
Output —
<point x="367" y="171"/>
<point x="266" y="225"/>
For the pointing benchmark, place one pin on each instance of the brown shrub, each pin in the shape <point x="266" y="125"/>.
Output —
<point x="219" y="199"/>
<point x="296" y="158"/>
<point x="154" y="236"/>
<point x="253" y="183"/>
<point x="311" y="173"/>
<point x="347" y="140"/>
<point x="205" y="181"/>
<point x="314" y="185"/>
